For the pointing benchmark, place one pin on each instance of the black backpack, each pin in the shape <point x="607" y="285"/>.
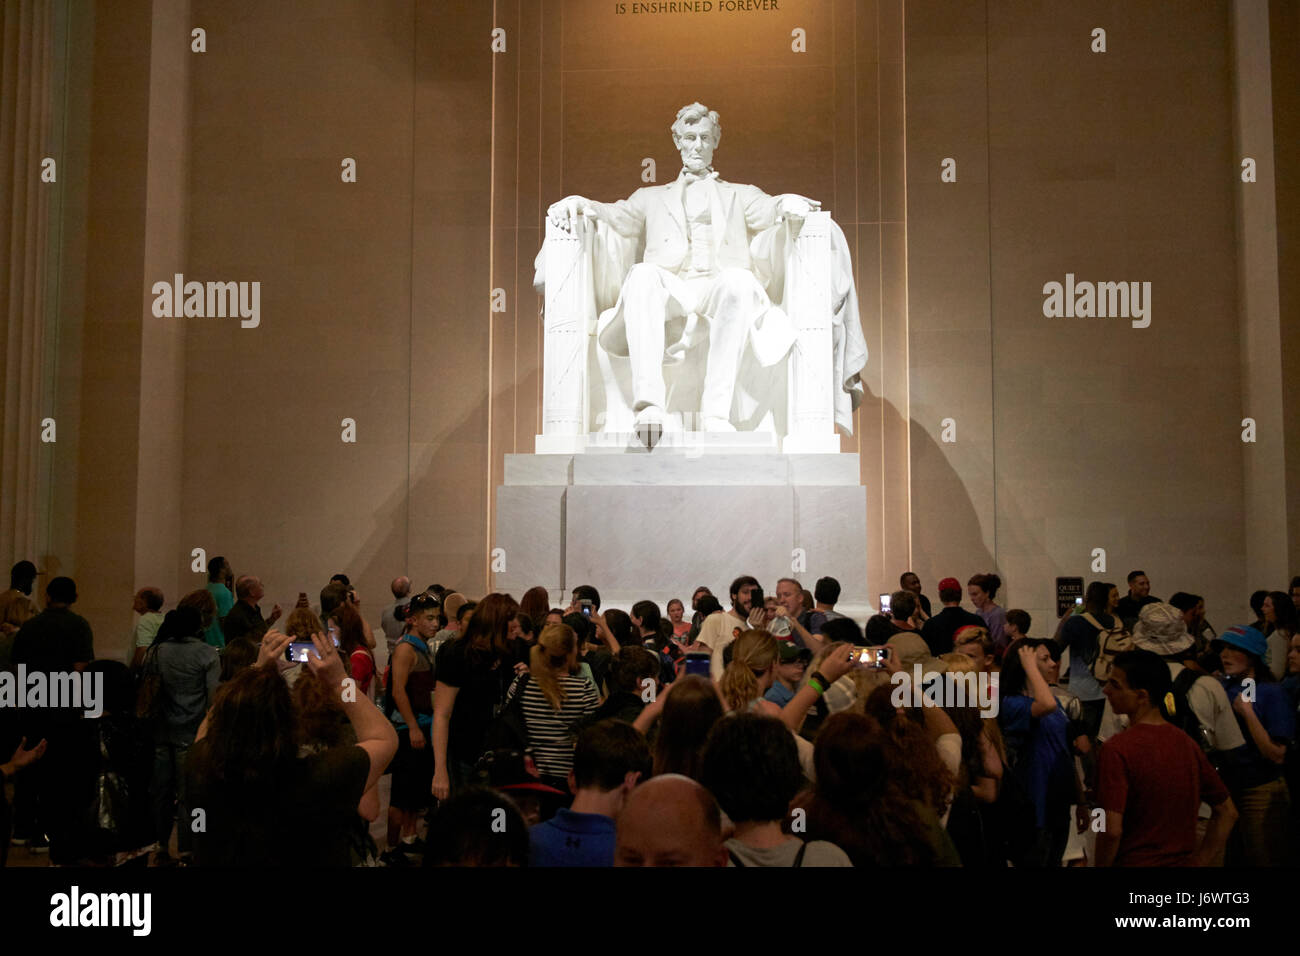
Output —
<point x="1227" y="764"/>
<point x="1183" y="716"/>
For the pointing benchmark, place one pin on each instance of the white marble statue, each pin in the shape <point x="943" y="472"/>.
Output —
<point x="682" y="278"/>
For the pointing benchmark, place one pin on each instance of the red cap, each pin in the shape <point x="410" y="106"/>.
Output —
<point x="949" y="584"/>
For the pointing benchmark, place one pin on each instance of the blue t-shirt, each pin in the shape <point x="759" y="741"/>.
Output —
<point x="1273" y="708"/>
<point x="779" y="694"/>
<point x="1043" y="764"/>
<point x="572" y="839"/>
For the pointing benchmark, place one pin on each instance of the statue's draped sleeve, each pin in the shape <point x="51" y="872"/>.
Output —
<point x="771" y="250"/>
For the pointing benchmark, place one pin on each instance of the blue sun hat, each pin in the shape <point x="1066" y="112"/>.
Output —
<point x="1245" y="638"/>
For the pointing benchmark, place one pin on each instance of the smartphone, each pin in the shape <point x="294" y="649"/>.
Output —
<point x="586" y="606"/>
<point x="1078" y="602"/>
<point x="298" y="650"/>
<point x="697" y="663"/>
<point x="873" y="657"/>
<point x="884" y="604"/>
<point x="756" y="600"/>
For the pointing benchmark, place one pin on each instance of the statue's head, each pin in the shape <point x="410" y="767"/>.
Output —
<point x="696" y="133"/>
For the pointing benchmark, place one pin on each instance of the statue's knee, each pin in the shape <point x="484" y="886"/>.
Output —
<point x="641" y="278"/>
<point x="734" y="283"/>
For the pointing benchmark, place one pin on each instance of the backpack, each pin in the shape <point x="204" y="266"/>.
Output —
<point x="1226" y="764"/>
<point x="390" y="708"/>
<point x="1183" y="717"/>
<point x="1110" y="642"/>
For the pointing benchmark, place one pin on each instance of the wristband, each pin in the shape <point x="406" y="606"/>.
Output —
<point x="818" y="682"/>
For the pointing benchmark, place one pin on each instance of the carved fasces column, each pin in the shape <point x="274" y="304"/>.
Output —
<point x="811" y="423"/>
<point x="567" y="313"/>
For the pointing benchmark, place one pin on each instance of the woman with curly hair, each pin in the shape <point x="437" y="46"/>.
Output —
<point x="860" y="804"/>
<point x="752" y="670"/>
<point x="264" y="804"/>
<point x="751" y="673"/>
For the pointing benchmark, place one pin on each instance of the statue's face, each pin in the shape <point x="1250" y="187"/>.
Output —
<point x="696" y="143"/>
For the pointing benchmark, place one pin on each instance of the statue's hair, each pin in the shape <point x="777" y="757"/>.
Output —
<point x="694" y="113"/>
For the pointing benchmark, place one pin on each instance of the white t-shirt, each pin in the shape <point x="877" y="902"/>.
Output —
<point x="1209" y="702"/>
<point x="1277" y="643"/>
<point x="716" y="633"/>
<point x="146" y="629"/>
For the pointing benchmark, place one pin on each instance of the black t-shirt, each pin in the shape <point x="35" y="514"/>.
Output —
<point x="54" y="641"/>
<point x="598" y="660"/>
<point x="243" y="621"/>
<point x="621" y="705"/>
<point x="481" y="690"/>
<point x="308" y="821"/>
<point x="1130" y="608"/>
<point x="938" y="631"/>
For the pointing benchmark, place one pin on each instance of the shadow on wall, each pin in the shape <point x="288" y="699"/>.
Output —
<point x="947" y="535"/>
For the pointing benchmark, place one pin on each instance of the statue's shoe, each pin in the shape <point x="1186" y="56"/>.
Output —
<point x="713" y="424"/>
<point x="650" y="415"/>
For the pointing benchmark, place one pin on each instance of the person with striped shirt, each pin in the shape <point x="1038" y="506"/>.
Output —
<point x="555" y="699"/>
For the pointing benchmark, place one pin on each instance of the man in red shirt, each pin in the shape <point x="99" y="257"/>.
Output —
<point x="1153" y="777"/>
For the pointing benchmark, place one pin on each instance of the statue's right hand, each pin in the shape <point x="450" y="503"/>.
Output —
<point x="567" y="211"/>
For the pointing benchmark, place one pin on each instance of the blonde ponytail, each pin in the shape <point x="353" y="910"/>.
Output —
<point x="752" y="651"/>
<point x="549" y="660"/>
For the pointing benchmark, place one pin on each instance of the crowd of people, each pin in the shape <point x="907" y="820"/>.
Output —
<point x="748" y="729"/>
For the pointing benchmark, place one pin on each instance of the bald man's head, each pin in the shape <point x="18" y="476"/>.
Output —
<point x="401" y="587"/>
<point x="670" y="821"/>
<point x="248" y="588"/>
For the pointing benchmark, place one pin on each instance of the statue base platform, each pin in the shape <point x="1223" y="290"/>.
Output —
<point x="689" y="441"/>
<point x="642" y="524"/>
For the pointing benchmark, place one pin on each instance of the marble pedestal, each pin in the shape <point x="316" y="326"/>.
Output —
<point x="655" y="525"/>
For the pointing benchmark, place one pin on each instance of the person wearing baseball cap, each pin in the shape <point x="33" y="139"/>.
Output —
<point x="790" y="666"/>
<point x="939" y="630"/>
<point x="1267" y="723"/>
